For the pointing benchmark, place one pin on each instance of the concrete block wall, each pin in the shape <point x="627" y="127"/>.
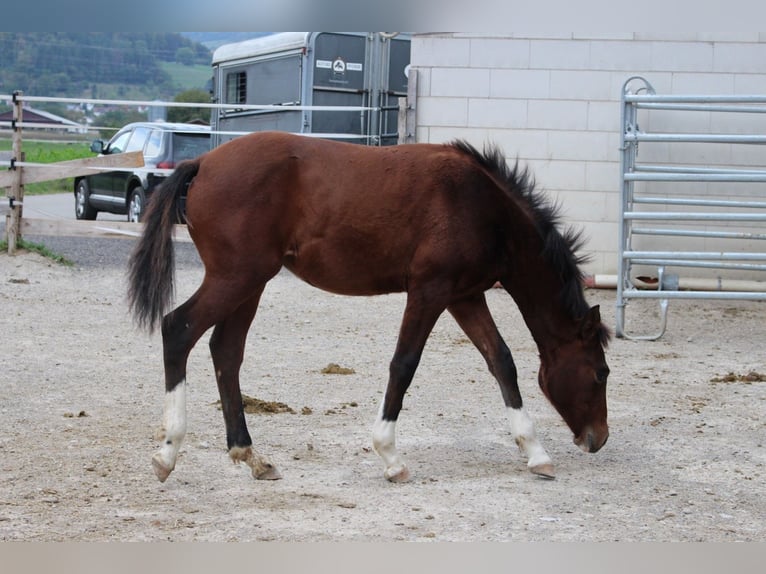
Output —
<point x="553" y="101"/>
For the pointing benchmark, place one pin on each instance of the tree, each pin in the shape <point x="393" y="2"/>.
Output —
<point x="116" y="119"/>
<point x="69" y="63"/>
<point x="185" y="114"/>
<point x="185" y="56"/>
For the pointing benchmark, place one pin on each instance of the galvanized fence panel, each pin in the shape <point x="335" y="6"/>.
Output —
<point x="669" y="215"/>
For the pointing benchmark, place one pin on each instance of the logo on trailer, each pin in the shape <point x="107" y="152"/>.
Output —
<point x="339" y="66"/>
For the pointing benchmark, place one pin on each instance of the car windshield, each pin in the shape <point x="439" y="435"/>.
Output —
<point x="138" y="139"/>
<point x="119" y="142"/>
<point x="189" y="146"/>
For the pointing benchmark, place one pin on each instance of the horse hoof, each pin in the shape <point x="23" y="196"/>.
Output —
<point x="260" y="467"/>
<point x="160" y="468"/>
<point x="267" y="472"/>
<point x="543" y="471"/>
<point x="398" y="475"/>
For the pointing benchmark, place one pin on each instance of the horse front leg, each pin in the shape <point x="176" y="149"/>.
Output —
<point x="420" y="316"/>
<point x="227" y="347"/>
<point x="474" y="318"/>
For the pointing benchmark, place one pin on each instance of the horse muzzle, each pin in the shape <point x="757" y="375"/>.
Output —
<point x="591" y="441"/>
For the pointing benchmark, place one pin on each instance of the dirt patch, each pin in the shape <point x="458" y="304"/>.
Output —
<point x="686" y="458"/>
<point x="255" y="406"/>
<point x="335" y="369"/>
<point x="751" y="377"/>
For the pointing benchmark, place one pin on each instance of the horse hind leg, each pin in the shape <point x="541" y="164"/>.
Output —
<point x="181" y="329"/>
<point x="227" y="346"/>
<point x="474" y="318"/>
<point x="178" y="338"/>
<point x="173" y="431"/>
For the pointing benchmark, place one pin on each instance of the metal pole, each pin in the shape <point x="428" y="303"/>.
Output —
<point x="15" y="193"/>
<point x="627" y="162"/>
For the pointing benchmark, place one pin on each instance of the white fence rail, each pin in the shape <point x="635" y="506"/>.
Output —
<point x="20" y="172"/>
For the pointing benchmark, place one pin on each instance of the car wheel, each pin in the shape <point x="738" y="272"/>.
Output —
<point x="136" y="205"/>
<point x="82" y="207"/>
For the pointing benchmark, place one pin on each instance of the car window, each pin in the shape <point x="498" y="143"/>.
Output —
<point x="119" y="143"/>
<point x="153" y="144"/>
<point x="138" y="139"/>
<point x="189" y="146"/>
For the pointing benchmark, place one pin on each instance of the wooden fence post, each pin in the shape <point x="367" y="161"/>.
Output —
<point x="15" y="192"/>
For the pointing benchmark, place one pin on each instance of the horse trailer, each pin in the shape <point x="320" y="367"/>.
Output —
<point x="340" y="85"/>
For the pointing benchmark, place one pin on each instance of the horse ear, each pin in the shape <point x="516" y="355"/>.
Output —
<point x="590" y="324"/>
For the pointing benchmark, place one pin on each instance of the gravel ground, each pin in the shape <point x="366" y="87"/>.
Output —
<point x="95" y="253"/>
<point x="81" y="398"/>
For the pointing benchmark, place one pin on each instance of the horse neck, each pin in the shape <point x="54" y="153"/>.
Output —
<point x="536" y="288"/>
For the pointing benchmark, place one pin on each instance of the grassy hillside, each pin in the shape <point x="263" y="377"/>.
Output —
<point x="213" y="40"/>
<point x="181" y="78"/>
<point x="185" y="77"/>
<point x="98" y="64"/>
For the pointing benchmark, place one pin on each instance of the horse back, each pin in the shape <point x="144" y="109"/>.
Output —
<point x="348" y="218"/>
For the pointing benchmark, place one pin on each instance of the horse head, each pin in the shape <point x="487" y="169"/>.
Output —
<point x="573" y="377"/>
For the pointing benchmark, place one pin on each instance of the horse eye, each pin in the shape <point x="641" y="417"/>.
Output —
<point x="601" y="375"/>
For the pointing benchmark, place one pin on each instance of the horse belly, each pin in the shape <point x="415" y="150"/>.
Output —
<point x="347" y="267"/>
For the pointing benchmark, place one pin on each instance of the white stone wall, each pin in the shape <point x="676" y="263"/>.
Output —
<point x="554" y="102"/>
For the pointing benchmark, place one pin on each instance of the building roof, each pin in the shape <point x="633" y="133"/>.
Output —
<point x="33" y="116"/>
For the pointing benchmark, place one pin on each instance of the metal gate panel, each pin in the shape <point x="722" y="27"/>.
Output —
<point x="663" y="225"/>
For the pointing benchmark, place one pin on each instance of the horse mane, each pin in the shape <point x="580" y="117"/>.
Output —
<point x="560" y="246"/>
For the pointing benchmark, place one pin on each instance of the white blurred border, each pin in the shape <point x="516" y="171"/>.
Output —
<point x="358" y="558"/>
<point x="552" y="16"/>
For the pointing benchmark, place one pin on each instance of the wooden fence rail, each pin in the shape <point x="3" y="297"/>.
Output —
<point x="21" y="173"/>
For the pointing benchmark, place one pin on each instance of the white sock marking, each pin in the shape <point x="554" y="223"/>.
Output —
<point x="174" y="422"/>
<point x="523" y="432"/>
<point x="384" y="442"/>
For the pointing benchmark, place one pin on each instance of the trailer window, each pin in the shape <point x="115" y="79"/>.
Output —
<point x="277" y="81"/>
<point x="236" y="88"/>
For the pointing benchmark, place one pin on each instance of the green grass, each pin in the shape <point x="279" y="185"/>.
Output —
<point x="182" y="78"/>
<point x="50" y="152"/>
<point x="122" y="92"/>
<point x="37" y="248"/>
<point x="187" y="77"/>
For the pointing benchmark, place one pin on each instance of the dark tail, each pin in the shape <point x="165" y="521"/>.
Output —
<point x="152" y="264"/>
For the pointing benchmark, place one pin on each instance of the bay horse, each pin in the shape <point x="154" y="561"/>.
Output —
<point x="441" y="222"/>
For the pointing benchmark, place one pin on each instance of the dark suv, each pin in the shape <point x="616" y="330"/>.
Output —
<point x="125" y="192"/>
